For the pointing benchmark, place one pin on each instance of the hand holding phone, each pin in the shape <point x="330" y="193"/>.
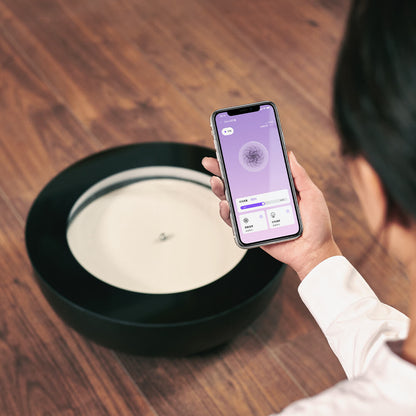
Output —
<point x="316" y="243"/>
<point x="254" y="166"/>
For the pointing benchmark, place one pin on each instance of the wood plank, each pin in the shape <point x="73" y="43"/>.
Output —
<point x="38" y="135"/>
<point x="182" y="45"/>
<point x="310" y="360"/>
<point x="96" y="73"/>
<point x="291" y="40"/>
<point x="212" y="66"/>
<point x="242" y="378"/>
<point x="46" y="367"/>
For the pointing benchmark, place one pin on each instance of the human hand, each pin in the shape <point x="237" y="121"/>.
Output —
<point x="316" y="242"/>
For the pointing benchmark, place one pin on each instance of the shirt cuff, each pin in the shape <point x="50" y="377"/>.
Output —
<point x="331" y="287"/>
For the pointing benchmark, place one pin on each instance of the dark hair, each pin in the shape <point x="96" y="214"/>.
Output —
<point x="374" y="102"/>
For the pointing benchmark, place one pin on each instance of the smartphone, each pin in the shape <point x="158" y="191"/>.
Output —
<point x="255" y="169"/>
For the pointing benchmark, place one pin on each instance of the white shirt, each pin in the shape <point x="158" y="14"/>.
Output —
<point x="358" y="328"/>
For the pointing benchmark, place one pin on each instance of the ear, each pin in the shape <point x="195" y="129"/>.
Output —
<point x="370" y="192"/>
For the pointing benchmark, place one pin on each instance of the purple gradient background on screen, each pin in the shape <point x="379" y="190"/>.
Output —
<point x="242" y="183"/>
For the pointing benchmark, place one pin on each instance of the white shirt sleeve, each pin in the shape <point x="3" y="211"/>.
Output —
<point x="357" y="326"/>
<point x="349" y="313"/>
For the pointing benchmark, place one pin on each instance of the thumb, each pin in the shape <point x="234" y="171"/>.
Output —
<point x="302" y="180"/>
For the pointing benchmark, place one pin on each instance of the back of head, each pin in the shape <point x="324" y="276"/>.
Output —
<point x="375" y="95"/>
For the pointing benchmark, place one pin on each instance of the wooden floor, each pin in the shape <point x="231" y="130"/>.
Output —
<point x="80" y="76"/>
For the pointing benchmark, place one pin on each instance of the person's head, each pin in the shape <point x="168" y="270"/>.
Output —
<point x="374" y="106"/>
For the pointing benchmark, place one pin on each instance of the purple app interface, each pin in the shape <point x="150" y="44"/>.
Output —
<point x="257" y="176"/>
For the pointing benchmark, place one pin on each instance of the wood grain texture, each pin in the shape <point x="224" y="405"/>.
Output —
<point x="242" y="378"/>
<point x="80" y="76"/>
<point x="46" y="367"/>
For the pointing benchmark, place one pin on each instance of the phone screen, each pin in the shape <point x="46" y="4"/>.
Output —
<point x="256" y="173"/>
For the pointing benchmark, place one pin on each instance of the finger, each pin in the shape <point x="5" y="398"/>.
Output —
<point x="217" y="187"/>
<point x="211" y="164"/>
<point x="225" y="212"/>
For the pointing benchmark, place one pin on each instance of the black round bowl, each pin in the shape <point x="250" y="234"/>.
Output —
<point x="149" y="324"/>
